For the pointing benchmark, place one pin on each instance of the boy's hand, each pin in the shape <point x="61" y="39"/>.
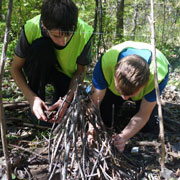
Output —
<point x="37" y="107"/>
<point x="119" y="142"/>
<point x="60" y="104"/>
<point x="50" y="115"/>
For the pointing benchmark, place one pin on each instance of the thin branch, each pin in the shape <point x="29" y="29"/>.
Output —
<point x="153" y="42"/>
<point x="70" y="153"/>
<point x="3" y="57"/>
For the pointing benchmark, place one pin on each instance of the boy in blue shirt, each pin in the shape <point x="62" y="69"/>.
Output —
<point x="126" y="71"/>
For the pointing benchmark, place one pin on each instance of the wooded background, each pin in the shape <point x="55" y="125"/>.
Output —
<point x="114" y="21"/>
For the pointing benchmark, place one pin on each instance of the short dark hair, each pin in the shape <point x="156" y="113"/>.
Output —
<point x="59" y="14"/>
<point x="131" y="73"/>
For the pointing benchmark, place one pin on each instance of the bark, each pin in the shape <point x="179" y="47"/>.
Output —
<point x="101" y="38"/>
<point x="0" y="9"/>
<point x="135" y="19"/>
<point x="119" y="17"/>
<point x="164" y="23"/>
<point x="161" y="125"/>
<point x="98" y="27"/>
<point x="96" y="15"/>
<point x="2" y="121"/>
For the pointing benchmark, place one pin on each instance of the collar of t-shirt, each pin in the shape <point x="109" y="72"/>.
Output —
<point x="144" y="53"/>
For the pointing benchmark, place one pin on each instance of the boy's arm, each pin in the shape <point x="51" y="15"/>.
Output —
<point x="136" y="123"/>
<point x="97" y="95"/>
<point x="35" y="102"/>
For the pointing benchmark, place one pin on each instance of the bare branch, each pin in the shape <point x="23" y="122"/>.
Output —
<point x="3" y="57"/>
<point x="153" y="42"/>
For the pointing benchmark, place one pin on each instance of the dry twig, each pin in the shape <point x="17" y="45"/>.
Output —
<point x="71" y="155"/>
<point x="161" y="125"/>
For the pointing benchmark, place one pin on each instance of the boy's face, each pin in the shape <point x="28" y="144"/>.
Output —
<point x="125" y="97"/>
<point x="133" y="95"/>
<point x="59" y="37"/>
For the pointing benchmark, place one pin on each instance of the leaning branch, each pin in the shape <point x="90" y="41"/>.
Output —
<point x="2" y="121"/>
<point x="161" y="126"/>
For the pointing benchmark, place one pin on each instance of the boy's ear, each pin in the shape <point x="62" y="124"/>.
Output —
<point x="43" y="25"/>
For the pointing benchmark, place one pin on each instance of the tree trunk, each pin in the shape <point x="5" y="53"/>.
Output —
<point x="161" y="125"/>
<point x="135" y="19"/>
<point x="119" y="17"/>
<point x="1" y="16"/>
<point x="164" y="24"/>
<point x="95" y="16"/>
<point x="2" y="118"/>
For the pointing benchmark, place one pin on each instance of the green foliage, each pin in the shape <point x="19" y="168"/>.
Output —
<point x="13" y="176"/>
<point x="136" y="27"/>
<point x="11" y="138"/>
<point x="22" y="11"/>
<point x="86" y="10"/>
<point x="166" y="17"/>
<point x="40" y="135"/>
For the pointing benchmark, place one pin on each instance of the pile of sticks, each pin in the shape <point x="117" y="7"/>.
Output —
<point x="70" y="154"/>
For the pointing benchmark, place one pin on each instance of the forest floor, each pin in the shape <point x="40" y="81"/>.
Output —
<point x="141" y="156"/>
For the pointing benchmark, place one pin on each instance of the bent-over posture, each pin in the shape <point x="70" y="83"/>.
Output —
<point x="54" y="47"/>
<point x="126" y="71"/>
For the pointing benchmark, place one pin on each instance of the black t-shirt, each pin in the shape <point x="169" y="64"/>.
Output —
<point x="23" y="45"/>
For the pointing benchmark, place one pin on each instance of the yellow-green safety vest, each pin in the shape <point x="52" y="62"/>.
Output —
<point x="67" y="56"/>
<point x="110" y="59"/>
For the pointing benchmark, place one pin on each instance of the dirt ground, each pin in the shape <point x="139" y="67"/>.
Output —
<point x="141" y="155"/>
<point x="27" y="143"/>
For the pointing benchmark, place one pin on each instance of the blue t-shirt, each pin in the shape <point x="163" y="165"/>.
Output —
<point x="99" y="81"/>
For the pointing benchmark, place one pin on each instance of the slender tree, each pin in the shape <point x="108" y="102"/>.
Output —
<point x="0" y="9"/>
<point x="164" y="23"/>
<point x="96" y="15"/>
<point x="153" y="42"/>
<point x="135" y="19"/>
<point x="2" y="119"/>
<point x="99" y="15"/>
<point x="119" y="17"/>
